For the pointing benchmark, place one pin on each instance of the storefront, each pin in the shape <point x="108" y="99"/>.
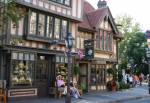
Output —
<point x="98" y="77"/>
<point x="32" y="72"/>
<point x="98" y="74"/>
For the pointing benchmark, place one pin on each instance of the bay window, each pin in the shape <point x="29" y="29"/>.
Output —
<point x="47" y="27"/>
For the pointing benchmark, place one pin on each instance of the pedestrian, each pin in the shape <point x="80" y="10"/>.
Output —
<point x="74" y="91"/>
<point x="140" y="79"/>
<point x="131" y="80"/>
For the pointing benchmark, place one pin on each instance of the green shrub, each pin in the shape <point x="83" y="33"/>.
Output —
<point x="123" y="85"/>
<point x="76" y="70"/>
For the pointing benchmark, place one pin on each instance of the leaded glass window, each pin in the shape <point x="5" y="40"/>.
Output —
<point x="63" y="29"/>
<point x="33" y="20"/>
<point x="49" y="28"/>
<point x="41" y="25"/>
<point x="57" y="28"/>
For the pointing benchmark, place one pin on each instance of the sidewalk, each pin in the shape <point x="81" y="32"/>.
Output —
<point x="133" y="93"/>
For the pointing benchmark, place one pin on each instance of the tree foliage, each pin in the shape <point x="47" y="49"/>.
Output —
<point x="11" y="11"/>
<point x="132" y="47"/>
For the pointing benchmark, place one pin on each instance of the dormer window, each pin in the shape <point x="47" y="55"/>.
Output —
<point x="64" y="2"/>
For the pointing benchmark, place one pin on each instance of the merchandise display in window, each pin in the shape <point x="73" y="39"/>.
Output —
<point x="22" y="70"/>
<point x="21" y="74"/>
<point x="61" y="70"/>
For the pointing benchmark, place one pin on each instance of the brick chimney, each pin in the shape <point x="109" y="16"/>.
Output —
<point x="102" y="4"/>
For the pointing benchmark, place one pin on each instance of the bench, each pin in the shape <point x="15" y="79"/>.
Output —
<point x="57" y="92"/>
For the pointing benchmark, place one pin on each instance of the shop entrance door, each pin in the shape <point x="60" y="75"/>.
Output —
<point x="42" y="78"/>
<point x="83" y="77"/>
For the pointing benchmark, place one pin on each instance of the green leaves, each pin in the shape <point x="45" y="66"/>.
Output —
<point x="133" y="44"/>
<point x="13" y="11"/>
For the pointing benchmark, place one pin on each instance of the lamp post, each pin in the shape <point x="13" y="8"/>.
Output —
<point x="148" y="59"/>
<point x="69" y="44"/>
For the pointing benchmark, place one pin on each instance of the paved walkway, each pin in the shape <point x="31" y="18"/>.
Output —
<point x="133" y="93"/>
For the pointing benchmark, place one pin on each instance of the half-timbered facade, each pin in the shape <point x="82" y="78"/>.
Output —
<point x="98" y="25"/>
<point x="33" y="53"/>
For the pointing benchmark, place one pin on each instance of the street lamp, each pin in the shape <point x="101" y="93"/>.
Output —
<point x="148" y="59"/>
<point x="69" y="44"/>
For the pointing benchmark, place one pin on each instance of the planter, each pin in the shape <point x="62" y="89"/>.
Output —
<point x="111" y="85"/>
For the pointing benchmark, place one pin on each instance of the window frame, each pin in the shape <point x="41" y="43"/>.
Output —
<point x="46" y="36"/>
<point x="16" y="59"/>
<point x="63" y="2"/>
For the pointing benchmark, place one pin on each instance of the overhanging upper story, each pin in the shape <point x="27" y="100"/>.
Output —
<point x="71" y="9"/>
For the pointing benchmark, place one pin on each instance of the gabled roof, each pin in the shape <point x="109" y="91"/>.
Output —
<point x="97" y="16"/>
<point x="85" y="24"/>
<point x="88" y="7"/>
<point x="92" y="17"/>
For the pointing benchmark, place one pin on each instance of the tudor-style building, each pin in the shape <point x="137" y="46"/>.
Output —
<point x="98" y="25"/>
<point x="29" y="56"/>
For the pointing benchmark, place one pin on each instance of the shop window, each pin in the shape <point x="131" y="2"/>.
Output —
<point x="57" y="59"/>
<point x="62" y="59"/>
<point x="22" y="69"/>
<point x="93" y="75"/>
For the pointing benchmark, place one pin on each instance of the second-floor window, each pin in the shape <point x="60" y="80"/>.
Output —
<point x="41" y="25"/>
<point x="65" y="2"/>
<point x="33" y="20"/>
<point x="57" y="28"/>
<point x="47" y="26"/>
<point x="104" y="40"/>
<point x="63" y="29"/>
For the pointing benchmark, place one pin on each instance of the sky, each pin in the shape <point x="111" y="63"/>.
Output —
<point x="138" y="9"/>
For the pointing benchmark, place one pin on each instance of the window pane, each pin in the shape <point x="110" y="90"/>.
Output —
<point x="33" y="23"/>
<point x="67" y="2"/>
<point x="26" y="56"/>
<point x="32" y="57"/>
<point x="49" y="27"/>
<point x="41" y="24"/>
<point x="63" y="29"/>
<point x="20" y="56"/>
<point x="62" y="59"/>
<point x="57" y="28"/>
<point x="14" y="55"/>
<point x="57" y="59"/>
<point x="60" y="1"/>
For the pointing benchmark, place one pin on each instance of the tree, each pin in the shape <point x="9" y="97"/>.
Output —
<point x="132" y="47"/>
<point x="9" y="10"/>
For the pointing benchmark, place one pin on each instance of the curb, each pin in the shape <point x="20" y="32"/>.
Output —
<point x="126" y="99"/>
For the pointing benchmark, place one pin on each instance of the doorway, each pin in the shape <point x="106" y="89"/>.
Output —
<point x="42" y="76"/>
<point x="83" y="77"/>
